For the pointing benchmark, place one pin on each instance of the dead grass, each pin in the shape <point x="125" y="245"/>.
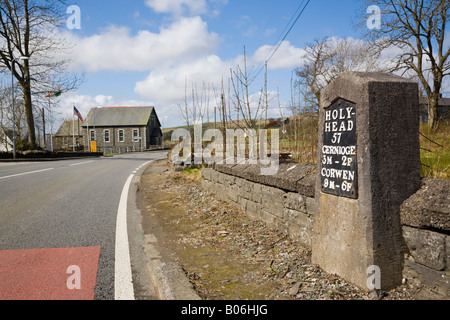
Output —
<point x="435" y="151"/>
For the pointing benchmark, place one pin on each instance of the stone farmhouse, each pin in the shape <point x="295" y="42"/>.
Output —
<point x="114" y="129"/>
<point x="68" y="134"/>
<point x="123" y="129"/>
<point x="443" y="109"/>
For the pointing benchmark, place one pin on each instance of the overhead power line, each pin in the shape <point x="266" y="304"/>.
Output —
<point x="290" y="29"/>
<point x="282" y="34"/>
<point x="290" y="25"/>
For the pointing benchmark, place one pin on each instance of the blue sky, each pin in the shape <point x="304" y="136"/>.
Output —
<point x="141" y="52"/>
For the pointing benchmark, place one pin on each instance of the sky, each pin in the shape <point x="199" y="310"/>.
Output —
<point x="144" y="52"/>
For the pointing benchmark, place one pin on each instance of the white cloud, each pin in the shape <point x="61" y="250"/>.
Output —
<point x="286" y="57"/>
<point x="165" y="85"/>
<point x="168" y="84"/>
<point x="178" y="7"/>
<point x="117" y="49"/>
<point x="184" y="49"/>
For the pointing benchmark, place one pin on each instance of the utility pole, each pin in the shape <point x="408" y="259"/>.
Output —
<point x="224" y="120"/>
<point x="43" y="127"/>
<point x="265" y="94"/>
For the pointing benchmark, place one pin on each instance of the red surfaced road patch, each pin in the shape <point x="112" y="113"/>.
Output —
<point x="49" y="274"/>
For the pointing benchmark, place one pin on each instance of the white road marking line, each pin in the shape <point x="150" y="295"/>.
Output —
<point x="123" y="280"/>
<point x="80" y="163"/>
<point x="26" y="173"/>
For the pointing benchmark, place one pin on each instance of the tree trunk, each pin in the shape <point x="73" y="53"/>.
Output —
<point x="432" y="111"/>
<point x="25" y="31"/>
<point x="29" y="115"/>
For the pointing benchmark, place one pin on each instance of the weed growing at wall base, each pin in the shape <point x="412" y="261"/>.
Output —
<point x="239" y="147"/>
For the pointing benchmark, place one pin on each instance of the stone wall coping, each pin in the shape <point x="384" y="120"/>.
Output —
<point x="294" y="177"/>
<point x="428" y="208"/>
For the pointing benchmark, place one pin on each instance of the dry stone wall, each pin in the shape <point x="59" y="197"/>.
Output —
<point x="425" y="218"/>
<point x="286" y="202"/>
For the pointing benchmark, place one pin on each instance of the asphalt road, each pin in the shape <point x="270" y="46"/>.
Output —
<point x="68" y="204"/>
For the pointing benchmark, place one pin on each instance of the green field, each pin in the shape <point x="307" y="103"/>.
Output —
<point x="435" y="151"/>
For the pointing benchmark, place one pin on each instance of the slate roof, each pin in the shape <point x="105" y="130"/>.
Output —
<point x="443" y="102"/>
<point x="67" y="129"/>
<point x="118" y="116"/>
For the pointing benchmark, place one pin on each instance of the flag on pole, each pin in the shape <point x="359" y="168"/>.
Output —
<point x="54" y="94"/>
<point x="77" y="114"/>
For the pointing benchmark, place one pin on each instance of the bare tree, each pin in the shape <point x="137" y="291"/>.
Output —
<point x="28" y="29"/>
<point x="327" y="59"/>
<point x="418" y="28"/>
<point x="314" y="72"/>
<point x="184" y="111"/>
<point x="241" y="81"/>
<point x="7" y="121"/>
<point x="194" y="109"/>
